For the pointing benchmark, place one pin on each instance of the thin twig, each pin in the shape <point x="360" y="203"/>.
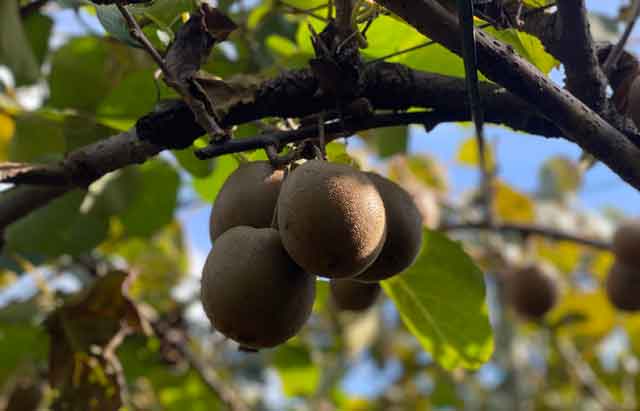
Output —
<point x="333" y="128"/>
<point x="209" y="376"/>
<point x="465" y="16"/>
<point x="227" y="395"/>
<point x="587" y="376"/>
<point x="308" y="12"/>
<point x="616" y="52"/>
<point x="206" y="120"/>
<point x="526" y="230"/>
<point x="136" y="32"/>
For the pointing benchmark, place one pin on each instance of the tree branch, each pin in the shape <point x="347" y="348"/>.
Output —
<point x="501" y="64"/>
<point x="292" y="94"/>
<point x="527" y="230"/>
<point x="585" y="79"/>
<point x="334" y="128"/>
<point x="548" y="27"/>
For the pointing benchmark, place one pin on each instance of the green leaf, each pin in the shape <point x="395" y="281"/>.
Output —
<point x="20" y="343"/>
<point x="208" y="187"/>
<point x="193" y="165"/>
<point x="86" y="69"/>
<point x="337" y="153"/>
<point x="281" y="45"/>
<point x="296" y="370"/>
<point x="62" y="227"/>
<point x="163" y="12"/>
<point x="78" y="78"/>
<point x="389" y="140"/>
<point x="114" y="192"/>
<point x="38" y="30"/>
<point x="15" y="49"/>
<point x="526" y="46"/>
<point x="133" y="97"/>
<point x="259" y="13"/>
<point x="114" y="24"/>
<point x="155" y="200"/>
<point x="47" y="135"/>
<point x="160" y="263"/>
<point x="441" y="299"/>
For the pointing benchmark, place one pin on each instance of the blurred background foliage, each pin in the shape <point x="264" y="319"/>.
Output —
<point x="99" y="295"/>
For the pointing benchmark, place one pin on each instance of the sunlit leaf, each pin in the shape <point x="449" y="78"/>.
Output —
<point x="299" y="375"/>
<point x="208" y="187"/>
<point x="564" y="255"/>
<point x="468" y="154"/>
<point x="441" y="299"/>
<point x="512" y="205"/>
<point x="337" y="153"/>
<point x="594" y="307"/>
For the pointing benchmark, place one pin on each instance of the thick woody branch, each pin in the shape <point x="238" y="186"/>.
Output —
<point x="585" y="78"/>
<point x="293" y="94"/>
<point x="501" y="64"/>
<point x="79" y="169"/>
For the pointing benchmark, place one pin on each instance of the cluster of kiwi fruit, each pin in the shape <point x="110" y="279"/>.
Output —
<point x="531" y="291"/>
<point x="273" y="235"/>
<point x="623" y="282"/>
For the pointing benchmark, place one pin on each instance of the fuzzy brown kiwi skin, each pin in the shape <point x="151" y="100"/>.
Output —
<point x="626" y="243"/>
<point x="248" y="197"/>
<point x="331" y="219"/>
<point x="404" y="232"/>
<point x="623" y="286"/>
<point x="351" y="295"/>
<point x="530" y="291"/>
<point x="252" y="291"/>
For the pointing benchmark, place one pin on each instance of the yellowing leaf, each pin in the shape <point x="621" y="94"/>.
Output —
<point x="468" y="154"/>
<point x="421" y="167"/>
<point x="7" y="129"/>
<point x="631" y="323"/>
<point x="558" y="177"/>
<point x="512" y="205"/>
<point x="601" y="264"/>
<point x="594" y="307"/>
<point x="564" y="255"/>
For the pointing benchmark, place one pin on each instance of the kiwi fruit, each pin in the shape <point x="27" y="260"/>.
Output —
<point x="404" y="232"/>
<point x="252" y="291"/>
<point x="331" y="218"/>
<point x="623" y="287"/>
<point x="530" y="291"/>
<point x="248" y="197"/>
<point x="351" y="295"/>
<point x="626" y="243"/>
